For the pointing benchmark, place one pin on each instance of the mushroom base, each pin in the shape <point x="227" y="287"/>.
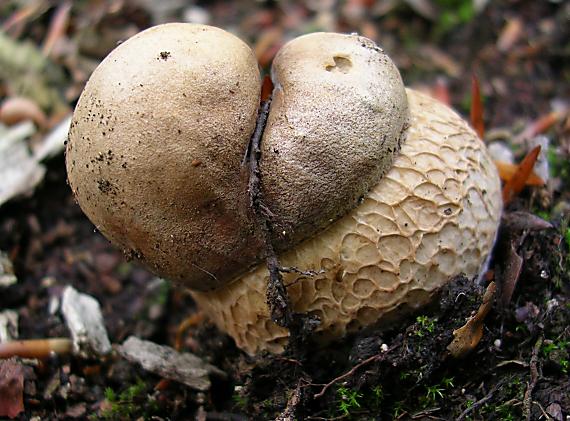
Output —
<point x="433" y="216"/>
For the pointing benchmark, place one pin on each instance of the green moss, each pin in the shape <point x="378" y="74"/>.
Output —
<point x="348" y="400"/>
<point x="557" y="351"/>
<point x="425" y="325"/>
<point x="452" y="14"/>
<point x="240" y="402"/>
<point x="510" y="396"/>
<point x="130" y="403"/>
<point x="436" y="392"/>
<point x="559" y="164"/>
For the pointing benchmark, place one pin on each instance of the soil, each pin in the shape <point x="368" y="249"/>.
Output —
<point x="519" y="369"/>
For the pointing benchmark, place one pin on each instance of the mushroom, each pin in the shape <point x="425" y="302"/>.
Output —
<point x="385" y="193"/>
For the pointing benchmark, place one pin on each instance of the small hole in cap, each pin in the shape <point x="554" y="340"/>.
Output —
<point x="341" y="64"/>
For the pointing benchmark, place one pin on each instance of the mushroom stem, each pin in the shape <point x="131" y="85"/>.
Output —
<point x="277" y="298"/>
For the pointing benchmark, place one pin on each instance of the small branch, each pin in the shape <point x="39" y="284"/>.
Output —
<point x="187" y="323"/>
<point x="426" y="413"/>
<point x="527" y="402"/>
<point x="277" y="297"/>
<point x="289" y="414"/>
<point x="480" y="402"/>
<point x="291" y="269"/>
<point x="35" y="348"/>
<point x="377" y="357"/>
<point x="345" y="375"/>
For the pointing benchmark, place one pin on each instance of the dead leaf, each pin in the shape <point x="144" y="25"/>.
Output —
<point x="541" y="125"/>
<point x="510" y="34"/>
<point x="508" y="170"/>
<point x="440" y="91"/>
<point x="513" y="266"/>
<point x="521" y="220"/>
<point x="477" y="108"/>
<point x="517" y="183"/>
<point x="441" y="60"/>
<point x="16" y="23"/>
<point x="11" y="388"/>
<point x="467" y="337"/>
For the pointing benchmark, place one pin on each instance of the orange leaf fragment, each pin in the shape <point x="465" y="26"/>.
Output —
<point x="163" y="384"/>
<point x="477" y="107"/>
<point x="517" y="182"/>
<point x="440" y="91"/>
<point x="266" y="88"/>
<point x="541" y="125"/>
<point x="507" y="171"/>
<point x="468" y="336"/>
<point x="513" y="268"/>
<point x="191" y="321"/>
<point x="14" y="25"/>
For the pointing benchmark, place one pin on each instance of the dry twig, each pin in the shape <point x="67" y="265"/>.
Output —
<point x="527" y="402"/>
<point x="35" y="348"/>
<point x="377" y="357"/>
<point x="277" y="297"/>
<point x="480" y="402"/>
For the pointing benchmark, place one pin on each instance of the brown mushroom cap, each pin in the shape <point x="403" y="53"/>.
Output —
<point x="155" y="150"/>
<point x="434" y="215"/>
<point x="337" y="116"/>
<point x="159" y="134"/>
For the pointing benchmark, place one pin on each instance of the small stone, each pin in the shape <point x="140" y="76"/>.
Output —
<point x="8" y="325"/>
<point x="551" y="304"/>
<point x="182" y="367"/>
<point x="541" y="167"/>
<point x="497" y="344"/>
<point x="76" y="411"/>
<point x="500" y="151"/>
<point x="7" y="276"/>
<point x="84" y="319"/>
<point x="53" y="384"/>
<point x="54" y="304"/>
<point x="555" y="411"/>
<point x="197" y="14"/>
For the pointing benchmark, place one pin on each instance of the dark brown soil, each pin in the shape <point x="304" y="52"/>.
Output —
<point x="519" y="369"/>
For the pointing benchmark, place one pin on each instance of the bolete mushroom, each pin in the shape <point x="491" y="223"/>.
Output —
<point x="383" y="192"/>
